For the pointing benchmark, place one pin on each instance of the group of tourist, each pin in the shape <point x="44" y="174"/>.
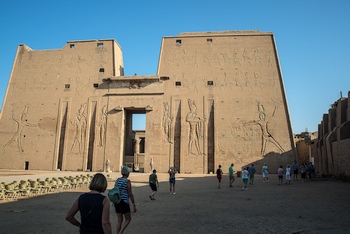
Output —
<point x="94" y="207"/>
<point x="307" y="171"/>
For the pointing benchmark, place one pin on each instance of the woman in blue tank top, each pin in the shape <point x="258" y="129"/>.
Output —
<point x="123" y="208"/>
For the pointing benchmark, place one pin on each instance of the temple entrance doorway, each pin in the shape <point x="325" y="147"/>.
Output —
<point x="134" y="142"/>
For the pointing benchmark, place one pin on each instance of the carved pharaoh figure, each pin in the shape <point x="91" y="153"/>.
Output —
<point x="80" y="128"/>
<point x="166" y="121"/>
<point x="266" y="136"/>
<point x="195" y="128"/>
<point x="102" y="125"/>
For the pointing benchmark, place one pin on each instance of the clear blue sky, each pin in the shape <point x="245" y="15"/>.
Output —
<point x="313" y="38"/>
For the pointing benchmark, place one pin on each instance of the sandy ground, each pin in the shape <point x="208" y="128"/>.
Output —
<point x="318" y="206"/>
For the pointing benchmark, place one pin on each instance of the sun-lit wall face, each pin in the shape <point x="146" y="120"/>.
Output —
<point x="227" y="88"/>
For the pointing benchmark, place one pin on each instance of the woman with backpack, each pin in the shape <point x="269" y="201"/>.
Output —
<point x="123" y="208"/>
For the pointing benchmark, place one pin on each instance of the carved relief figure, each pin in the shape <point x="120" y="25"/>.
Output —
<point x="195" y="128"/>
<point x="102" y="126"/>
<point x="21" y="124"/>
<point x="166" y="121"/>
<point x="266" y="136"/>
<point x="80" y="128"/>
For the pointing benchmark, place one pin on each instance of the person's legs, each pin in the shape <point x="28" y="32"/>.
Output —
<point x="127" y="217"/>
<point x="120" y="221"/>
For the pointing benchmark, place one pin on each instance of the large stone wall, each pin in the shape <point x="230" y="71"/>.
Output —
<point x="333" y="147"/>
<point x="217" y="98"/>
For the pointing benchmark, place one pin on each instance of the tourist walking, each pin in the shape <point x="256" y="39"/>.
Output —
<point x="311" y="170"/>
<point x="280" y="173"/>
<point x="288" y="177"/>
<point x="295" y="170"/>
<point x="153" y="183"/>
<point x="251" y="171"/>
<point x="265" y="173"/>
<point x="231" y="174"/>
<point x="94" y="208"/>
<point x="219" y="175"/>
<point x="123" y="208"/>
<point x="245" y="176"/>
<point x="303" y="172"/>
<point x="172" y="171"/>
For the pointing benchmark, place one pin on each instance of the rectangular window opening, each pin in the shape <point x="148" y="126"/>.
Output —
<point x="67" y="86"/>
<point x="178" y="83"/>
<point x="102" y="70"/>
<point x="209" y="40"/>
<point x="100" y="45"/>
<point x="71" y="46"/>
<point x="210" y="83"/>
<point x="178" y="42"/>
<point x="95" y="85"/>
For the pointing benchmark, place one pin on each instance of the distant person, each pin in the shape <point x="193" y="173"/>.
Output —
<point x="295" y="170"/>
<point x="231" y="174"/>
<point x="94" y="208"/>
<point x="153" y="183"/>
<point x="288" y="177"/>
<point x="265" y="173"/>
<point x="172" y="171"/>
<point x="251" y="171"/>
<point x="280" y="173"/>
<point x="303" y="172"/>
<point x="123" y="208"/>
<point x="245" y="176"/>
<point x="311" y="170"/>
<point x="219" y="175"/>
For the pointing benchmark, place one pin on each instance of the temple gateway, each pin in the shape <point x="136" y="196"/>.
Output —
<point x="217" y="98"/>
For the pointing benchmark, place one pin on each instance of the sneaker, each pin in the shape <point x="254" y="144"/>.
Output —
<point x="171" y="193"/>
<point x="150" y="197"/>
<point x="242" y="189"/>
<point x="174" y="193"/>
<point x="246" y="189"/>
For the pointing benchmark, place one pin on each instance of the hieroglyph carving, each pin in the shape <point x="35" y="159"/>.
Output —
<point x="21" y="124"/>
<point x="196" y="128"/>
<point x="79" y="124"/>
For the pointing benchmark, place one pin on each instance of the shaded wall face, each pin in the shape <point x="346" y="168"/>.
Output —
<point x="233" y="84"/>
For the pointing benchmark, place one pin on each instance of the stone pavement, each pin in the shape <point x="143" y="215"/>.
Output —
<point x="320" y="206"/>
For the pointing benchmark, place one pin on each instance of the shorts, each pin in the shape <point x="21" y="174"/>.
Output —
<point x="245" y="180"/>
<point x="232" y="178"/>
<point x="219" y="177"/>
<point x="280" y="176"/>
<point x="122" y="207"/>
<point x="172" y="180"/>
<point x="295" y="171"/>
<point x="265" y="174"/>
<point x="153" y="187"/>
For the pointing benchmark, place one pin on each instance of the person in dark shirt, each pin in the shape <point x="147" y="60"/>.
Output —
<point x="94" y="208"/>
